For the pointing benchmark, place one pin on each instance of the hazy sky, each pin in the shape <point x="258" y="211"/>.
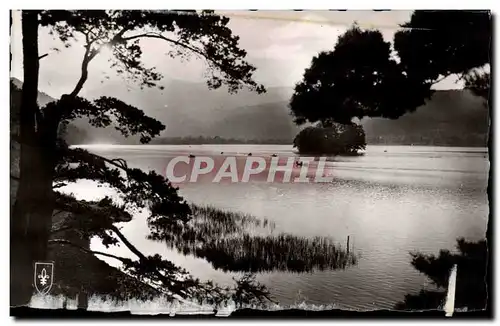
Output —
<point x="280" y="44"/>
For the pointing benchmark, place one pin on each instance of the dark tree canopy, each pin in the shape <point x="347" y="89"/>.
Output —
<point x="358" y="78"/>
<point x="440" y="43"/>
<point x="363" y="76"/>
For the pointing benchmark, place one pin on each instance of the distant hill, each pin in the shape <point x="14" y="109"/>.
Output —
<point x="15" y="103"/>
<point x="450" y="118"/>
<point x="72" y="134"/>
<point x="42" y="99"/>
<point x="191" y="109"/>
<point x="262" y="121"/>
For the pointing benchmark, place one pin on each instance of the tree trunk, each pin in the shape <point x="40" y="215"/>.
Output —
<point x="31" y="214"/>
<point x="31" y="222"/>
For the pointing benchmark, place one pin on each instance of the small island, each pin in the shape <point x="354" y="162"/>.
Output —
<point x="331" y="139"/>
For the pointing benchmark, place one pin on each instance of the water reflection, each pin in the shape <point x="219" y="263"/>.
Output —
<point x="235" y="242"/>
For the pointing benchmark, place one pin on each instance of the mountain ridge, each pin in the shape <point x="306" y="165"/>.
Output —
<point x="449" y="118"/>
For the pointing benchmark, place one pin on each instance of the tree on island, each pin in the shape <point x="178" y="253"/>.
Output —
<point x="333" y="139"/>
<point x="47" y="163"/>
<point x="365" y="76"/>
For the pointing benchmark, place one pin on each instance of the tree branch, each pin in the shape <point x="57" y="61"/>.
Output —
<point x="462" y="76"/>
<point x="127" y="243"/>
<point x="66" y="242"/>
<point x="89" y="55"/>
<point x="117" y="162"/>
<point x="167" y="281"/>
<point x="186" y="46"/>
<point x="119" y="36"/>
<point x="161" y="37"/>
<point x="439" y="80"/>
<point x="43" y="56"/>
<point x="59" y="185"/>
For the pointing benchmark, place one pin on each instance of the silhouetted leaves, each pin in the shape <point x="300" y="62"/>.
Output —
<point x="89" y="219"/>
<point x="479" y="83"/>
<point x="247" y="293"/>
<point x="105" y="111"/>
<point x="358" y="78"/>
<point x="470" y="292"/>
<point x="137" y="188"/>
<point x="79" y="164"/>
<point x="156" y="271"/>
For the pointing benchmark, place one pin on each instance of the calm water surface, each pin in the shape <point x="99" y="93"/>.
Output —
<point x="392" y="200"/>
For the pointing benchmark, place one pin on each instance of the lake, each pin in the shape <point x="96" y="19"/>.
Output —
<point x="390" y="201"/>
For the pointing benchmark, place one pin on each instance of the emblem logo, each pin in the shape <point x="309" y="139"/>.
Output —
<point x="44" y="276"/>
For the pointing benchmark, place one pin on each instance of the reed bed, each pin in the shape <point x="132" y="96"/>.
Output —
<point x="224" y="239"/>
<point x="283" y="252"/>
<point x="213" y="222"/>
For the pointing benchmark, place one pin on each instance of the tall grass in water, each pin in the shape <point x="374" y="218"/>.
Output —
<point x="214" y="222"/>
<point x="236" y="242"/>
<point x="283" y="252"/>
